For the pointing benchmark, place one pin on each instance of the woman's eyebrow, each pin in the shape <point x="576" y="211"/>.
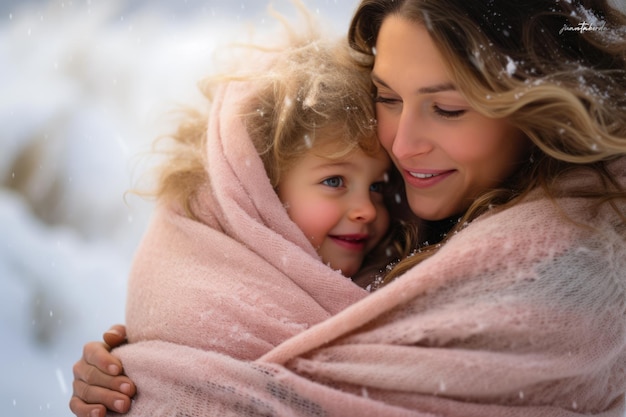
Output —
<point x="437" y="88"/>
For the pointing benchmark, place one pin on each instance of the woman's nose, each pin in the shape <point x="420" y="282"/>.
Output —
<point x="411" y="136"/>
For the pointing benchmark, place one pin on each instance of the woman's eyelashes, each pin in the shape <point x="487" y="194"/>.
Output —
<point x="386" y="100"/>
<point x="438" y="109"/>
<point x="447" y="113"/>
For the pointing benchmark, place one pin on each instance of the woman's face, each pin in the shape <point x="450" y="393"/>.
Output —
<point x="447" y="152"/>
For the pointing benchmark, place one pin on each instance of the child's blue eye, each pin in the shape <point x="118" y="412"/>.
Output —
<point x="333" y="182"/>
<point x="377" y="187"/>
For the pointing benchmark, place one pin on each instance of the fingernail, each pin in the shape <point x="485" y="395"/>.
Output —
<point x="118" y="404"/>
<point x="125" y="388"/>
<point x="113" y="331"/>
<point x="94" y="413"/>
<point x="113" y="369"/>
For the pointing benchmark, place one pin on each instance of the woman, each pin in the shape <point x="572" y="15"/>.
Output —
<point x="508" y="124"/>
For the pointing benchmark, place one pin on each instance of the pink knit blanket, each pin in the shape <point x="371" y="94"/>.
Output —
<point x="522" y="313"/>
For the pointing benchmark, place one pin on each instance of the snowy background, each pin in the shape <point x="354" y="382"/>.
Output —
<point x="84" y="86"/>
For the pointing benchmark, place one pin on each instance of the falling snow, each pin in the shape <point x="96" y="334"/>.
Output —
<point x="511" y="66"/>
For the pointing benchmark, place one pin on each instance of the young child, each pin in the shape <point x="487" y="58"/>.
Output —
<point x="286" y="170"/>
<point x="313" y="125"/>
<point x="312" y="122"/>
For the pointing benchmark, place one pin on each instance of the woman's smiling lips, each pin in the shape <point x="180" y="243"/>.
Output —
<point x="425" y="178"/>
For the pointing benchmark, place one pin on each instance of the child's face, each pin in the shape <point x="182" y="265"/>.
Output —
<point x="338" y="203"/>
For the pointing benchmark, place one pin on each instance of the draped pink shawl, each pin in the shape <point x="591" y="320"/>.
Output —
<point x="522" y="313"/>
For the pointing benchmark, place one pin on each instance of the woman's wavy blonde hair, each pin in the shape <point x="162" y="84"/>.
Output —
<point x="565" y="89"/>
<point x="306" y="88"/>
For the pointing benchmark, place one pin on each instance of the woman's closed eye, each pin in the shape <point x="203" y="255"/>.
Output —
<point x="448" y="113"/>
<point x="386" y="100"/>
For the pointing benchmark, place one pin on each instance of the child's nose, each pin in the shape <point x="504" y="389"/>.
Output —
<point x="363" y="210"/>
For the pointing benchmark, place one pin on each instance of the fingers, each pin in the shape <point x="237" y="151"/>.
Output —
<point x="81" y="409"/>
<point x="97" y="354"/>
<point x="88" y="399"/>
<point x="99" y="368"/>
<point x="115" y="336"/>
<point x="95" y="390"/>
<point x="92" y="375"/>
<point x="99" y="383"/>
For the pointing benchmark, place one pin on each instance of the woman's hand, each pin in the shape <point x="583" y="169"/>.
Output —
<point x="99" y="382"/>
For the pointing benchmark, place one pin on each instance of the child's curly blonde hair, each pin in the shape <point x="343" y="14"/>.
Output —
<point x="309" y="85"/>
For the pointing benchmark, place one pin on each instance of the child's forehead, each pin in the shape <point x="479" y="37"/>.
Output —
<point x="339" y="149"/>
<point x="332" y="142"/>
<point x="338" y="135"/>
